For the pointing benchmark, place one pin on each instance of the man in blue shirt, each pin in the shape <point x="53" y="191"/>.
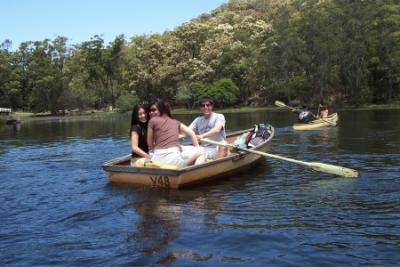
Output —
<point x="210" y="125"/>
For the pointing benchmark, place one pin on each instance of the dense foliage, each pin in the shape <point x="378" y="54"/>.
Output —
<point x="245" y="52"/>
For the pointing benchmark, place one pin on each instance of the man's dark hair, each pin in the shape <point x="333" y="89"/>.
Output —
<point x="206" y="99"/>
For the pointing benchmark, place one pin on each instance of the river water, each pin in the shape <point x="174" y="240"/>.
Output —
<point x="58" y="208"/>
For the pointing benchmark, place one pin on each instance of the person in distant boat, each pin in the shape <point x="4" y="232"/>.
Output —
<point x="210" y="125"/>
<point x="138" y="132"/>
<point x="304" y="114"/>
<point x="163" y="137"/>
<point x="323" y="111"/>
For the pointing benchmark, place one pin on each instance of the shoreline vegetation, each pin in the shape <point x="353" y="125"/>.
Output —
<point x="184" y="111"/>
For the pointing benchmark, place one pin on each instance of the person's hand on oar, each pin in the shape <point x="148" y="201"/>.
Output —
<point x="317" y="166"/>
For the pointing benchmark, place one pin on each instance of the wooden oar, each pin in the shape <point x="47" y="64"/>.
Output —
<point x="283" y="105"/>
<point x="317" y="166"/>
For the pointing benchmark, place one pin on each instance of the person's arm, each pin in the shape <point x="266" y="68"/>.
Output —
<point x="219" y="126"/>
<point x="135" y="145"/>
<point x="214" y="131"/>
<point x="181" y="136"/>
<point x="313" y="115"/>
<point x="192" y="126"/>
<point x="187" y="131"/>
<point x="150" y="134"/>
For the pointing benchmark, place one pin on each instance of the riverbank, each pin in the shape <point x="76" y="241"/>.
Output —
<point x="182" y="111"/>
<point x="395" y="105"/>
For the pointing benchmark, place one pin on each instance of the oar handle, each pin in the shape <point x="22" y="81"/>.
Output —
<point x="208" y="141"/>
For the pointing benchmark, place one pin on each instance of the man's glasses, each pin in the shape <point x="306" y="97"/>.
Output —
<point x="205" y="105"/>
<point x="153" y="110"/>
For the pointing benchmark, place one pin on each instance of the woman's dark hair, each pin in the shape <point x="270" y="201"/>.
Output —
<point x="163" y="107"/>
<point x="135" y="114"/>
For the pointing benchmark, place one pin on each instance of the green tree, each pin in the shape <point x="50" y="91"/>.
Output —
<point x="125" y="102"/>
<point x="319" y="30"/>
<point x="281" y="56"/>
<point x="45" y="68"/>
<point x="112" y="64"/>
<point x="87" y="78"/>
<point x="355" y="38"/>
<point x="10" y="87"/>
<point x="385" y="59"/>
<point x="190" y="92"/>
<point x="224" y="92"/>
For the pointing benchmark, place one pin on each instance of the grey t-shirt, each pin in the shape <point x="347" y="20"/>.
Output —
<point x="202" y="125"/>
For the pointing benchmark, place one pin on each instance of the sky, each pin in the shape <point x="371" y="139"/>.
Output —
<point x="79" y="20"/>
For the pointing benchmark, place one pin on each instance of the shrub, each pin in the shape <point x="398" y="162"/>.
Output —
<point x="125" y="102"/>
<point x="224" y="92"/>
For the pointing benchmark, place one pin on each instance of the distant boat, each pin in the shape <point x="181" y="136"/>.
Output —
<point x="12" y="121"/>
<point x="320" y="123"/>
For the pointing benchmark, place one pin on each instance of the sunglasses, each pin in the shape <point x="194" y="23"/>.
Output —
<point x="153" y="110"/>
<point x="205" y="105"/>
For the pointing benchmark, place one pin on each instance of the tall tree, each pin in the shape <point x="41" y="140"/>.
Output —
<point x="385" y="58"/>
<point x="355" y="18"/>
<point x="112" y="64"/>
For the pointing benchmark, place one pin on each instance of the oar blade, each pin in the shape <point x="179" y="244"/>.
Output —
<point x="280" y="104"/>
<point x="338" y="170"/>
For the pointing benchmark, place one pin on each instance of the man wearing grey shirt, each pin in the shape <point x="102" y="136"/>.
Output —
<point x="211" y="126"/>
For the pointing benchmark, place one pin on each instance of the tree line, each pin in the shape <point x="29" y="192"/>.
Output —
<point x="246" y="52"/>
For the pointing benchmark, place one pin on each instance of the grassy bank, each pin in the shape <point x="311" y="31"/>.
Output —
<point x="395" y="105"/>
<point x="274" y="108"/>
<point x="226" y="110"/>
<point x="179" y="111"/>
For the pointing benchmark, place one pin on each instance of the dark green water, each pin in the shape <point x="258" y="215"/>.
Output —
<point x="57" y="207"/>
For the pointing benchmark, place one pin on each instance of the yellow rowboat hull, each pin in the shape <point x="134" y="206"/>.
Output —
<point x="119" y="170"/>
<point x="331" y="120"/>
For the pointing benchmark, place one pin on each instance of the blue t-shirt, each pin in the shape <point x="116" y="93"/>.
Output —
<point x="202" y="125"/>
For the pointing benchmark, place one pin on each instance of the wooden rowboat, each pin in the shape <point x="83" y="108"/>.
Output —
<point x="119" y="170"/>
<point x="331" y="120"/>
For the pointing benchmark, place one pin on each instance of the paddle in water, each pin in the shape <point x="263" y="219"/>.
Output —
<point x="317" y="166"/>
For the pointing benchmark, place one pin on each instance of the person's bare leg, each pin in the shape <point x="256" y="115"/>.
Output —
<point x="197" y="157"/>
<point x="200" y="159"/>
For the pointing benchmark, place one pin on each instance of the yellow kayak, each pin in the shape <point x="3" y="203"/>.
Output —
<point x="331" y="120"/>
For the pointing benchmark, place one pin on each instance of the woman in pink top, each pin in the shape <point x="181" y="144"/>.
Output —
<point x="163" y="137"/>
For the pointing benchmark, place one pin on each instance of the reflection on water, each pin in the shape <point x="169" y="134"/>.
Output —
<point x="162" y="215"/>
<point x="59" y="209"/>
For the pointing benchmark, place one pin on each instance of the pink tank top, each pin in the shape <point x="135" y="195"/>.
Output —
<point x="165" y="132"/>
